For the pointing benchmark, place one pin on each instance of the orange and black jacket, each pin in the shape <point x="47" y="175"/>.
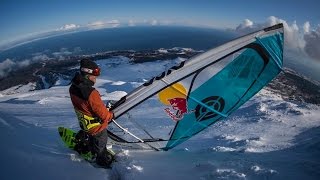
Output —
<point x="92" y="113"/>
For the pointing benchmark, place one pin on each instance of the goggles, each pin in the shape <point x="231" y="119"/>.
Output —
<point x="95" y="72"/>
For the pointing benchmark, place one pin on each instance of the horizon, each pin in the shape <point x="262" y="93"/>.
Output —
<point x="83" y="30"/>
<point x="24" y="22"/>
<point x="246" y="112"/>
<point x="296" y="58"/>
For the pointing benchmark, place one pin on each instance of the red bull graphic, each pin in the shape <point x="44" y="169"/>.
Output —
<point x="174" y="96"/>
<point x="178" y="104"/>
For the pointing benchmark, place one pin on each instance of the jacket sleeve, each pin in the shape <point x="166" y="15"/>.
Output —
<point x="99" y="108"/>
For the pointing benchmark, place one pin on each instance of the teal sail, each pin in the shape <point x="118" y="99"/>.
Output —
<point x="191" y="96"/>
<point x="231" y="87"/>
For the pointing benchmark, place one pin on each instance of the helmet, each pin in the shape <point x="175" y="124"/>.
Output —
<point x="88" y="66"/>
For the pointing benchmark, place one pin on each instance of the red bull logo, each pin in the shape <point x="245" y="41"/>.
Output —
<point x="174" y="96"/>
<point x="179" y="105"/>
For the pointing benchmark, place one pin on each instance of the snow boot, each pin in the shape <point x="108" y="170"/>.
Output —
<point x="105" y="158"/>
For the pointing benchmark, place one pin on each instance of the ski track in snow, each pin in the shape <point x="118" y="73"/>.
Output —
<point x="267" y="138"/>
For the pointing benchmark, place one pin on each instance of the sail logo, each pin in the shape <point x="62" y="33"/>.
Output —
<point x="164" y="74"/>
<point x="175" y="98"/>
<point x="202" y="112"/>
<point x="179" y="107"/>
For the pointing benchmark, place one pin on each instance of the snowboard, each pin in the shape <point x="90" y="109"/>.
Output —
<point x="68" y="137"/>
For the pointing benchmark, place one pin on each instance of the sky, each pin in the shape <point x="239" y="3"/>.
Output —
<point x="20" y="18"/>
<point x="23" y="21"/>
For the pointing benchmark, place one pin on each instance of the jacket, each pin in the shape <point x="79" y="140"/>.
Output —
<point x="92" y="113"/>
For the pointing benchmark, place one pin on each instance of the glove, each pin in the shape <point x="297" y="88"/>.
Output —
<point x="110" y="104"/>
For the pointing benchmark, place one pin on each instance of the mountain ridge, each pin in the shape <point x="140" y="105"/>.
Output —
<point x="42" y="75"/>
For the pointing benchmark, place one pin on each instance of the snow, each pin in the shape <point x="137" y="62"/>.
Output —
<point x="46" y="85"/>
<point x="267" y="138"/>
<point x="162" y="50"/>
<point x="18" y="89"/>
<point x="62" y="82"/>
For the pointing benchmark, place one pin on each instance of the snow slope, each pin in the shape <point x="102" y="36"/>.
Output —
<point x="267" y="138"/>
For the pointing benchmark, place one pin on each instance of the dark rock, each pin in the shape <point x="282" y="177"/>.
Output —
<point x="294" y="87"/>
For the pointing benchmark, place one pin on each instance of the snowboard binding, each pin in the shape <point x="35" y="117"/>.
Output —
<point x="83" y="144"/>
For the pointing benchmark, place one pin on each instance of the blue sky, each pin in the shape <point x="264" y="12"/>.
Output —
<point x="25" y="17"/>
<point x="22" y="21"/>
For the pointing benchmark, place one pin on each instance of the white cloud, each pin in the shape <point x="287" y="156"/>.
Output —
<point x="131" y="23"/>
<point x="8" y="65"/>
<point x="306" y="27"/>
<point x="293" y="38"/>
<point x="166" y="22"/>
<point x="77" y="50"/>
<point x="68" y="27"/>
<point x="245" y="24"/>
<point x="298" y="39"/>
<point x="151" y="22"/>
<point x="62" y="53"/>
<point x="154" y="22"/>
<point x="97" y="24"/>
<point x="40" y="57"/>
<point x="312" y="43"/>
<point x="24" y="63"/>
<point x="104" y="24"/>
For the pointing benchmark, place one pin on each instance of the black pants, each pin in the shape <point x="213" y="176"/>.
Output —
<point x="99" y="143"/>
<point x="96" y="144"/>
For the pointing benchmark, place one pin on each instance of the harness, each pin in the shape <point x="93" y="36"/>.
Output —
<point x="86" y="122"/>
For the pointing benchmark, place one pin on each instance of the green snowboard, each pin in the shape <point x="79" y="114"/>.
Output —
<point x="68" y="137"/>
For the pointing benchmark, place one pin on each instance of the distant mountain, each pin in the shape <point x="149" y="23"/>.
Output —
<point x="294" y="87"/>
<point x="46" y="74"/>
<point x="288" y="84"/>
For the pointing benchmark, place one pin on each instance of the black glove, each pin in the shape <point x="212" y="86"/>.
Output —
<point x="110" y="104"/>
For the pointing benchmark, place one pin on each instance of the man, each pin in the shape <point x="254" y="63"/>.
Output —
<point x="92" y="113"/>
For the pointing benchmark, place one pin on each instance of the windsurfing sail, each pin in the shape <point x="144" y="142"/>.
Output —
<point x="189" y="97"/>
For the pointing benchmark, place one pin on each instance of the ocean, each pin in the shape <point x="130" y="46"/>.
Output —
<point x="139" y="38"/>
<point x="125" y="38"/>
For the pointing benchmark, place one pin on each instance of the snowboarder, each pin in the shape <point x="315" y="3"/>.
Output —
<point x="92" y="113"/>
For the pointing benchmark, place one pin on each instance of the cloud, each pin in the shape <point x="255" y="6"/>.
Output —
<point x="131" y="23"/>
<point x="246" y="24"/>
<point x="312" y="43"/>
<point x="61" y="54"/>
<point x="104" y="24"/>
<point x="154" y="22"/>
<point x="68" y="27"/>
<point x="306" y="27"/>
<point x="114" y="23"/>
<point x="167" y="22"/>
<point x="151" y="22"/>
<point x="77" y="50"/>
<point x="40" y="57"/>
<point x="298" y="39"/>
<point x="97" y="24"/>
<point x="8" y="66"/>
<point x="24" y="63"/>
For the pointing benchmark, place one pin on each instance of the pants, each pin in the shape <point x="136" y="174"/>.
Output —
<point x="99" y="143"/>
